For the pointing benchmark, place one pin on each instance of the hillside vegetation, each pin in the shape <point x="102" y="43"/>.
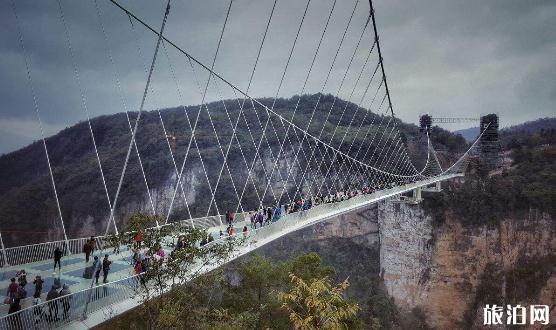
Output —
<point x="28" y="209"/>
<point x="525" y="181"/>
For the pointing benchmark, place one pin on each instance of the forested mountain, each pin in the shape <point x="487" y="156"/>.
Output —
<point x="406" y="263"/>
<point x="469" y="134"/>
<point x="29" y="212"/>
<point x="513" y="132"/>
<point x="513" y="136"/>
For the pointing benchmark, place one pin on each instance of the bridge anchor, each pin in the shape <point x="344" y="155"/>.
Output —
<point x="433" y="188"/>
<point x="415" y="197"/>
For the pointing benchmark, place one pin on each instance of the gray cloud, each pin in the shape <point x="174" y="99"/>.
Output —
<point x="446" y="58"/>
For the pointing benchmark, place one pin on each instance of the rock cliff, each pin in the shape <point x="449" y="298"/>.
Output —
<point x="446" y="270"/>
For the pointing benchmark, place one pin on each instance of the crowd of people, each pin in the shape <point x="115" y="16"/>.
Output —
<point x="143" y="257"/>
<point x="267" y="215"/>
<point x="16" y="292"/>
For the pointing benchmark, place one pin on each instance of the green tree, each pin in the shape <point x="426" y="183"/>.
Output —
<point x="309" y="266"/>
<point x="318" y="304"/>
<point x="382" y="312"/>
<point x="163" y="274"/>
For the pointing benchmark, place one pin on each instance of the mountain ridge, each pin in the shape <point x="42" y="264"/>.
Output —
<point x="29" y="211"/>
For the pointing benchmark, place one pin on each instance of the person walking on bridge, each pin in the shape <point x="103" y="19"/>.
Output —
<point x="87" y="249"/>
<point x="251" y="220"/>
<point x="22" y="277"/>
<point x="58" y="259"/>
<point x="105" y="268"/>
<point x="38" y="282"/>
<point x="66" y="293"/>
<point x="229" y="217"/>
<point x="268" y="215"/>
<point x="12" y="289"/>
<point x="97" y="266"/>
<point x="138" y="239"/>
<point x="52" y="304"/>
<point x="93" y="243"/>
<point x="260" y="217"/>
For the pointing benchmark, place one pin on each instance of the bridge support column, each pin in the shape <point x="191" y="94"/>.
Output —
<point x="417" y="195"/>
<point x="438" y="186"/>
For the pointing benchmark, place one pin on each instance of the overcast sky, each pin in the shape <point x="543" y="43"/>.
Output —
<point x="446" y="58"/>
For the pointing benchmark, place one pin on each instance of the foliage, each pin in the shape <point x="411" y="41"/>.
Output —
<point x="141" y="221"/>
<point x="416" y="319"/>
<point x="532" y="133"/>
<point x="515" y="285"/>
<point x="318" y="304"/>
<point x="489" y="291"/>
<point x="243" y="295"/>
<point x="163" y="273"/>
<point x="455" y="143"/>
<point x="528" y="184"/>
<point x="261" y="278"/>
<point x="382" y="312"/>
<point x="309" y="266"/>
<point x="434" y="205"/>
<point x="529" y="276"/>
<point x="30" y="210"/>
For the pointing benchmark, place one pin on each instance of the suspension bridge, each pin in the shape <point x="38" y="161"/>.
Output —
<point x="355" y="157"/>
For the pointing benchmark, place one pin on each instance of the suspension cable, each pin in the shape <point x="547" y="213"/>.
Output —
<point x="144" y="97"/>
<point x="39" y="120"/>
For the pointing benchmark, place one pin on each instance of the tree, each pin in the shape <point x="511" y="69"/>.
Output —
<point x="382" y="312"/>
<point x="318" y="304"/>
<point x="309" y="266"/>
<point x="164" y="273"/>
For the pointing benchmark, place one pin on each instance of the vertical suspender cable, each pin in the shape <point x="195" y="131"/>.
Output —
<point x="37" y="111"/>
<point x="158" y="41"/>
<point x="194" y="128"/>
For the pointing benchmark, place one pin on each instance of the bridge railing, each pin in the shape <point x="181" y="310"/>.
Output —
<point x="103" y="296"/>
<point x="66" y="309"/>
<point x="73" y="307"/>
<point x="26" y="254"/>
<point x="70" y="308"/>
<point x="44" y="251"/>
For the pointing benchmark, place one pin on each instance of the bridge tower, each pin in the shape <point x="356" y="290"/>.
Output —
<point x="425" y="123"/>
<point x="489" y="143"/>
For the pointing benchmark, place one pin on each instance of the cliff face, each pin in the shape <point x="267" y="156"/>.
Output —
<point x="448" y="270"/>
<point x="349" y="242"/>
<point x="29" y="213"/>
<point x="194" y="191"/>
<point x="405" y="251"/>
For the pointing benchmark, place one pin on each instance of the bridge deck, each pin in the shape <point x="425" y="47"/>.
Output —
<point x="108" y="300"/>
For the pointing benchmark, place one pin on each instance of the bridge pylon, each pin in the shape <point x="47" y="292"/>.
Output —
<point x="489" y="144"/>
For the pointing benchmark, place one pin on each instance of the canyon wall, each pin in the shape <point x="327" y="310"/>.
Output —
<point x="447" y="269"/>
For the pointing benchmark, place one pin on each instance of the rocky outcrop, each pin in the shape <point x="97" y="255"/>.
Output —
<point x="442" y="269"/>
<point x="405" y="251"/>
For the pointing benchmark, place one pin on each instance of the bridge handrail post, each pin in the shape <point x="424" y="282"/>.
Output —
<point x="89" y="294"/>
<point x="4" y="257"/>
